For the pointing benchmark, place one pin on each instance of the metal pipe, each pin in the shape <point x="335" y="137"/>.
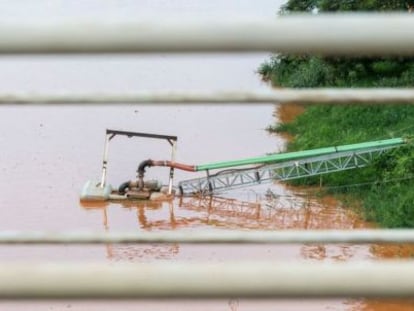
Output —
<point x="281" y="96"/>
<point x="275" y="158"/>
<point x="105" y="161"/>
<point x="333" y="34"/>
<point x="290" y="156"/>
<point x="212" y="237"/>
<point x="180" y="166"/>
<point x="173" y="151"/>
<point x="207" y="280"/>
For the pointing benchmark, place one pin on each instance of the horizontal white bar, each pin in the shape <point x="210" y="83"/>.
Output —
<point x="208" y="280"/>
<point x="374" y="34"/>
<point x="213" y="237"/>
<point x="342" y="96"/>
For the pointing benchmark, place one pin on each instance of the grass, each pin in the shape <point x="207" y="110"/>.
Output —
<point x="385" y="188"/>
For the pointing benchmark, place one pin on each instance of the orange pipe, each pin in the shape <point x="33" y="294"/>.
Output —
<point x="180" y="166"/>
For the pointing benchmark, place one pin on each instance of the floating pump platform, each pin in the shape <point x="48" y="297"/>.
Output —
<point x="152" y="190"/>
<point x="134" y="189"/>
<point x="235" y="173"/>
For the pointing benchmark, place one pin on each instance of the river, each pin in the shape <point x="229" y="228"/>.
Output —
<point x="48" y="153"/>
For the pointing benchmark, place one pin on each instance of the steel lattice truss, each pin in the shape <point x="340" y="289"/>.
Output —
<point x="235" y="178"/>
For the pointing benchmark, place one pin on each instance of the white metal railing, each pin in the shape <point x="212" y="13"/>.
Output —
<point x="212" y="237"/>
<point x="336" y="34"/>
<point x="282" y="96"/>
<point x="254" y="279"/>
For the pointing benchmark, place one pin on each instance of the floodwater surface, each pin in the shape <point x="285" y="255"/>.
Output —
<point x="48" y="153"/>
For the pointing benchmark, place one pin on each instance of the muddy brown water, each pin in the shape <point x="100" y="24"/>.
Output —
<point x="52" y="151"/>
<point x="48" y="153"/>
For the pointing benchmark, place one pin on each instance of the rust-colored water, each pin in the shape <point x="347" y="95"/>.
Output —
<point x="48" y="153"/>
<point x="287" y="113"/>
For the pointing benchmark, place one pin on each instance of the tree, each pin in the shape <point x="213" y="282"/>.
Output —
<point x="312" y="71"/>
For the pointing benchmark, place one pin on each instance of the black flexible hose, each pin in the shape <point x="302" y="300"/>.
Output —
<point x="142" y="166"/>
<point x="123" y="187"/>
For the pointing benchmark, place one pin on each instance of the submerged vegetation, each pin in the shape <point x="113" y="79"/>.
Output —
<point x="386" y="188"/>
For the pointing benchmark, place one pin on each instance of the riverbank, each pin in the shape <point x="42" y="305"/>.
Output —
<point x="383" y="191"/>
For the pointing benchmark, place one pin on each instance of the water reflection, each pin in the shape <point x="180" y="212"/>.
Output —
<point x="266" y="210"/>
<point x="270" y="211"/>
<point x="211" y="208"/>
<point x="274" y="212"/>
<point x="141" y="253"/>
<point x="388" y="251"/>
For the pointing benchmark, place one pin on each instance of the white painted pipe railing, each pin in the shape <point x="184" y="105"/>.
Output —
<point x="207" y="280"/>
<point x="356" y="34"/>
<point x="309" y="96"/>
<point x="212" y="237"/>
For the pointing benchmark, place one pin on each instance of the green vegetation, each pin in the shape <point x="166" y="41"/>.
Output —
<point x="386" y="189"/>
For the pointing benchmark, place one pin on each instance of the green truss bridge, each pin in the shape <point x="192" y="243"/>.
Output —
<point x="285" y="166"/>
